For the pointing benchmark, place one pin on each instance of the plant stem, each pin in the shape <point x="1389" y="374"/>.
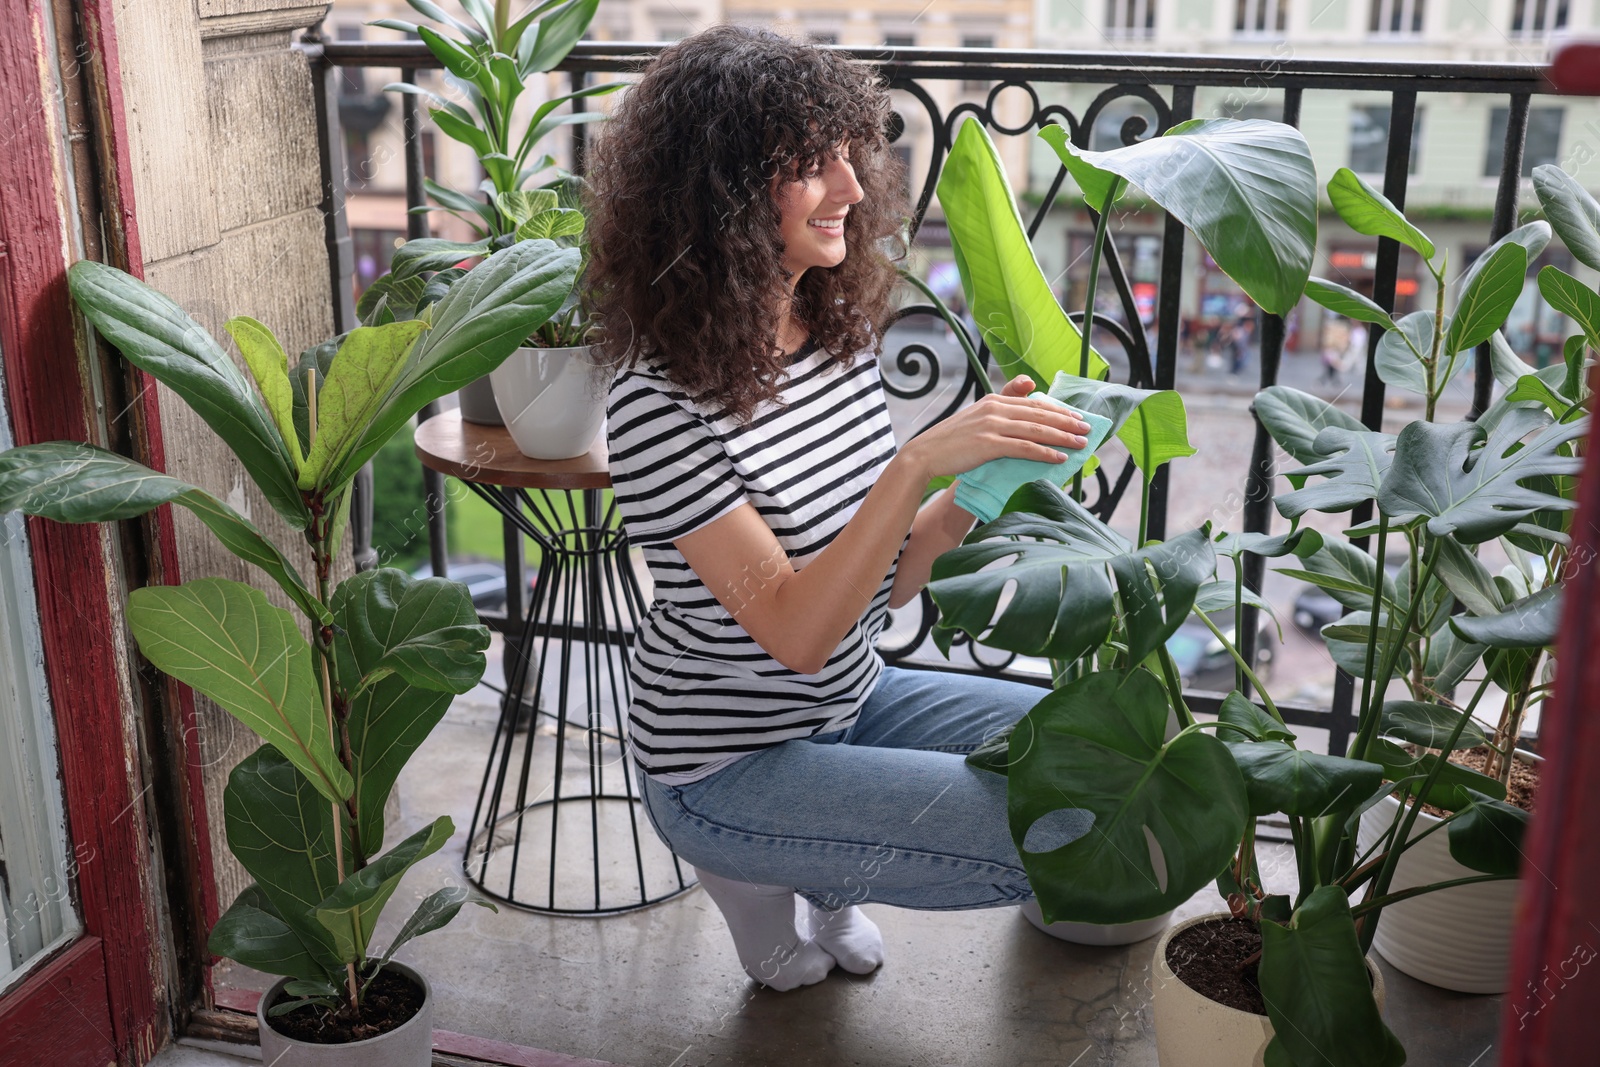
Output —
<point x="1370" y="714"/>
<point x="1088" y="320"/>
<point x="956" y="327"/>
<point x="1372" y="623"/>
<point x="1169" y="671"/>
<point x="1376" y="903"/>
<point x="1266" y="699"/>
<point x="1238" y="614"/>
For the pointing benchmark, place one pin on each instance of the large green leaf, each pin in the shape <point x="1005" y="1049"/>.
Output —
<point x="1487" y="298"/>
<point x="433" y="253"/>
<point x="1345" y="573"/>
<point x="1369" y="212"/>
<point x="1063" y="604"/>
<point x="407" y="645"/>
<point x="1098" y="744"/>
<point x="1468" y="580"/>
<point x="1018" y="316"/>
<point x="366" y="365"/>
<point x="1428" y="725"/>
<point x="1467" y="482"/>
<point x="1249" y="722"/>
<point x="1574" y="299"/>
<point x="252" y="933"/>
<point x="1532" y="236"/>
<point x="1399" y="365"/>
<point x="1317" y="990"/>
<point x="557" y="33"/>
<point x="225" y="640"/>
<point x="1352" y="467"/>
<point x="72" y="482"/>
<point x="1572" y="211"/>
<point x="1247" y="189"/>
<point x="351" y="911"/>
<point x="158" y="337"/>
<point x="435" y="912"/>
<point x="1486" y="835"/>
<point x="1294" y="419"/>
<point x="1346" y="642"/>
<point x="1343" y="300"/>
<point x="482" y="320"/>
<point x="1532" y="622"/>
<point x="1281" y="778"/>
<point x="1453" y="788"/>
<point x="269" y="366"/>
<point x="281" y="830"/>
<point x="1151" y="423"/>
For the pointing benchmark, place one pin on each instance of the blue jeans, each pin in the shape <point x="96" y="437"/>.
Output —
<point x="885" y="811"/>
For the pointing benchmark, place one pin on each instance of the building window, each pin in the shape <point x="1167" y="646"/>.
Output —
<point x="1535" y="18"/>
<point x="1130" y="18"/>
<point x="1395" y="16"/>
<point x="823" y="38"/>
<point x="981" y="41"/>
<point x="899" y="40"/>
<point x="1369" y="138"/>
<point x="1260" y="16"/>
<point x="1543" y="144"/>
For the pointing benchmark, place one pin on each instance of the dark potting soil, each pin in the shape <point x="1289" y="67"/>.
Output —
<point x="1209" y="958"/>
<point x="1521" y="790"/>
<point x="392" y="1000"/>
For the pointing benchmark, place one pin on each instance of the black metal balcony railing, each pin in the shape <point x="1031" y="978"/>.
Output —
<point x="1167" y="83"/>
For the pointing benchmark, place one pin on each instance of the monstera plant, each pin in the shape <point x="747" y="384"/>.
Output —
<point x="341" y="713"/>
<point x="1174" y="797"/>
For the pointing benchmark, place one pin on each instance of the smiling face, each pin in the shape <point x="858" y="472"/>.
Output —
<point x="812" y="213"/>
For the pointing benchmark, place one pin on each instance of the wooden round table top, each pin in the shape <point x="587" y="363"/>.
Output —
<point x="487" y="454"/>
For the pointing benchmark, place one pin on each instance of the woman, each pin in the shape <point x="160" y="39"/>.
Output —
<point x="745" y="210"/>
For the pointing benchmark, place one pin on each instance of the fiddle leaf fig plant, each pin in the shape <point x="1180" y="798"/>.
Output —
<point x="1175" y="799"/>
<point x="342" y="712"/>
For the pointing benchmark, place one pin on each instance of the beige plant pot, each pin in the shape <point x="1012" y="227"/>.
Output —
<point x="409" y="1045"/>
<point x="1095" y="933"/>
<point x="1457" y="938"/>
<point x="1195" y="1031"/>
<point x="553" y="400"/>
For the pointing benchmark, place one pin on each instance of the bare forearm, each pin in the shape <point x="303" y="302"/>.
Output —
<point x="938" y="528"/>
<point x="829" y="595"/>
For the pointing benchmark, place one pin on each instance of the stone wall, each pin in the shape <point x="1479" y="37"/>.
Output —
<point x="227" y="192"/>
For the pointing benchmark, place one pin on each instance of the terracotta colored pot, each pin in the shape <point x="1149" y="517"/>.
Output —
<point x="409" y="1045"/>
<point x="1195" y="1031"/>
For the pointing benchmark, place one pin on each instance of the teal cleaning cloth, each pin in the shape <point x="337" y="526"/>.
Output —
<point x="984" y="490"/>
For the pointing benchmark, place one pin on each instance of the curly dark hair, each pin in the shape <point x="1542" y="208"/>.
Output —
<point x="686" y="258"/>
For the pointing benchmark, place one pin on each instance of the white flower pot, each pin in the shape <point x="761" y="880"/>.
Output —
<point x="553" y="400"/>
<point x="1195" y="1031"/>
<point x="1457" y="938"/>
<point x="409" y="1045"/>
<point x="1095" y="933"/>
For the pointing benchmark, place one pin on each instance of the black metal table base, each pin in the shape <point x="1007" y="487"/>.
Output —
<point x="558" y="808"/>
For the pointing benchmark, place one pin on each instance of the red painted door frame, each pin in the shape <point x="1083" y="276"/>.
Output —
<point x="106" y="997"/>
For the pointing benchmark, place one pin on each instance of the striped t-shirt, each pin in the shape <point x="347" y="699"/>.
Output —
<point x="704" y="692"/>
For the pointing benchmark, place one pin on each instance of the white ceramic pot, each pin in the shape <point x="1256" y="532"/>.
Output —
<point x="553" y="400"/>
<point x="1457" y="938"/>
<point x="409" y="1045"/>
<point x="1095" y="933"/>
<point x="1195" y="1031"/>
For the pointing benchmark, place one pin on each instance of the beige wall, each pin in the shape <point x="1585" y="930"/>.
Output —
<point x="227" y="187"/>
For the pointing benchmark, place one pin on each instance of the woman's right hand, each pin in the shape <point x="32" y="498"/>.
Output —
<point x="1007" y="423"/>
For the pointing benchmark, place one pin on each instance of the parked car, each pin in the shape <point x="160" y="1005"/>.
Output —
<point x="484" y="579"/>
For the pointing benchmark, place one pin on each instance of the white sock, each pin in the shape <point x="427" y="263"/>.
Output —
<point x="849" y="937"/>
<point x="761" y="919"/>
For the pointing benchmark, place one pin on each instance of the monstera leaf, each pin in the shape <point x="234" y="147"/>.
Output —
<point x="1018" y="316"/>
<point x="406" y="646"/>
<point x="1531" y="622"/>
<point x="1098" y="745"/>
<point x="1467" y="482"/>
<point x="1294" y="419"/>
<point x="1152" y="423"/>
<point x="1063" y="605"/>
<point x="159" y="337"/>
<point x="1352" y="468"/>
<point x="1281" y="778"/>
<point x="1317" y="991"/>
<point x="1247" y="189"/>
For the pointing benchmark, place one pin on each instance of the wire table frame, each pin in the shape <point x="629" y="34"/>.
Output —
<point x="558" y="806"/>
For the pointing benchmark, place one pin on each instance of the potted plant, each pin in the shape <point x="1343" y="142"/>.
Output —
<point x="340" y="714"/>
<point x="490" y="64"/>
<point x="1175" y="808"/>
<point x="1461" y="938"/>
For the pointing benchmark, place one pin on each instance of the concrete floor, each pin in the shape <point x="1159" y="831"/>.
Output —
<point x="661" y="987"/>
